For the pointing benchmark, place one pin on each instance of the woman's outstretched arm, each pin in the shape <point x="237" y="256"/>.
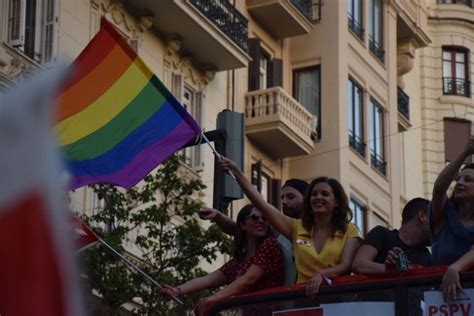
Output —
<point x="443" y="181"/>
<point x="212" y="280"/>
<point x="282" y="223"/>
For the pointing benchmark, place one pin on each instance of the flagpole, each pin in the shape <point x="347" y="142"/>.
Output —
<point x="136" y="268"/>
<point x="215" y="152"/>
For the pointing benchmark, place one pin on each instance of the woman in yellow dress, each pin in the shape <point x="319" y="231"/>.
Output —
<point x="324" y="241"/>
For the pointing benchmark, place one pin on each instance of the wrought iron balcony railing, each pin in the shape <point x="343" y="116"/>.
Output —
<point x="310" y="9"/>
<point x="378" y="162"/>
<point x="227" y="18"/>
<point x="357" y="143"/>
<point x="355" y="27"/>
<point x="403" y="103"/>
<point x="376" y="49"/>
<point x="456" y="86"/>
<point x="469" y="3"/>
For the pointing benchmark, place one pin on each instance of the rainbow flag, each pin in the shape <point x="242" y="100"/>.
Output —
<point x="116" y="120"/>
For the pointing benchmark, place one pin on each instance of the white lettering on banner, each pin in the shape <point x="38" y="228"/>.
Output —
<point x="436" y="306"/>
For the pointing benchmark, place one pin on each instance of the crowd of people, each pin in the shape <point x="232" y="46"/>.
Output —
<point x="313" y="240"/>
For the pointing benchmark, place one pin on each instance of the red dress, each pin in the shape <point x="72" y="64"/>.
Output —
<point x="268" y="257"/>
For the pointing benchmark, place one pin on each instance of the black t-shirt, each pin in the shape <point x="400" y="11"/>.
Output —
<point x="384" y="240"/>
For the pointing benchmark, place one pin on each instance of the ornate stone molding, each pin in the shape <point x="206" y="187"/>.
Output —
<point x="116" y="9"/>
<point x="184" y="66"/>
<point x="405" y="59"/>
<point x="18" y="67"/>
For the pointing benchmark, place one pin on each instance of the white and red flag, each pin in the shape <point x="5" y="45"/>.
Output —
<point x="37" y="275"/>
<point x="84" y="237"/>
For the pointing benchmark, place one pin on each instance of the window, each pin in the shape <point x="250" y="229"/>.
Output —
<point x="377" y="140"/>
<point x="263" y="71"/>
<point x="33" y="28"/>
<point x="376" y="29"/>
<point x="316" y="10"/>
<point x="456" y="134"/>
<point x="306" y="89"/>
<point x="106" y="222"/>
<point x="354" y="15"/>
<point x="269" y="188"/>
<point x="359" y="213"/>
<point x="192" y="102"/>
<point x="455" y="71"/>
<point x="355" y="119"/>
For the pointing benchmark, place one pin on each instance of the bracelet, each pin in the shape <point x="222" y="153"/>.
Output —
<point x="180" y="293"/>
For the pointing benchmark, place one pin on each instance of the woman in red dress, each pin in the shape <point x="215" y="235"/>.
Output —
<point x="256" y="264"/>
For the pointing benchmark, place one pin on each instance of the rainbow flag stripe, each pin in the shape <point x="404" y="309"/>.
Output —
<point x="116" y="121"/>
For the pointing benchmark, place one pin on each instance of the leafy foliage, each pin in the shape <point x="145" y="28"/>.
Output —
<point x="156" y="220"/>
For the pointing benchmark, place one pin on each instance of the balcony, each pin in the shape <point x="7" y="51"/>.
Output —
<point x="412" y="22"/>
<point x="355" y="27"/>
<point x="403" y="104"/>
<point x="456" y="86"/>
<point x="469" y="3"/>
<point x="378" y="163"/>
<point x="285" y="18"/>
<point x="377" y="49"/>
<point x="214" y="24"/>
<point x="357" y="143"/>
<point x="277" y="123"/>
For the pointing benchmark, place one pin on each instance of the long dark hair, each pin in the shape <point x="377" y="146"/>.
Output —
<point x="453" y="197"/>
<point x="341" y="215"/>
<point x="240" y="238"/>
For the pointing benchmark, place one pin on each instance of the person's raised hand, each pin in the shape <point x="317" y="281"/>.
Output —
<point x="469" y="149"/>
<point x="208" y="213"/>
<point x="227" y="164"/>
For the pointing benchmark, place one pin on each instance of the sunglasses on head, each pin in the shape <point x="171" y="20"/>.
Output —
<point x="256" y="217"/>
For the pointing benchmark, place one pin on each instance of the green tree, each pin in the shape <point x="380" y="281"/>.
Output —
<point x="158" y="219"/>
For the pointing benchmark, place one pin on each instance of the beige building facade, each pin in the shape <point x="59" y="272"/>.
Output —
<point x="364" y="91"/>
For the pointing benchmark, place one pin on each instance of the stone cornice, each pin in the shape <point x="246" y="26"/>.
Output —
<point x="183" y="65"/>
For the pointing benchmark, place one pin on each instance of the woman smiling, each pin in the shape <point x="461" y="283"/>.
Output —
<point x="324" y="241"/>
<point x="256" y="263"/>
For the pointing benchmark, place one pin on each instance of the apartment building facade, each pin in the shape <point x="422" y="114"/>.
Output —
<point x="370" y="92"/>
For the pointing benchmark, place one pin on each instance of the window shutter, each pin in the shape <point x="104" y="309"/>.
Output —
<point x="275" y="193"/>
<point x="50" y="29"/>
<point x="254" y="65"/>
<point x="197" y="163"/>
<point x="456" y="135"/>
<point x="134" y="44"/>
<point x="275" y="73"/>
<point x="177" y="87"/>
<point x="256" y="178"/>
<point x="17" y="20"/>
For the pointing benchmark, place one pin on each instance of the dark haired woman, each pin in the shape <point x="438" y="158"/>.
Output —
<point x="256" y="262"/>
<point x="324" y="242"/>
<point x="452" y="221"/>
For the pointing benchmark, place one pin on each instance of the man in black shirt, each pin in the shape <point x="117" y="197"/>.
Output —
<point x="381" y="245"/>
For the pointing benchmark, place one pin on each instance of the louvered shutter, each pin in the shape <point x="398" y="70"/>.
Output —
<point x="275" y="73"/>
<point x="177" y="87"/>
<point x="16" y="22"/>
<point x="50" y="30"/>
<point x="275" y="193"/>
<point x="134" y="44"/>
<point x="197" y="113"/>
<point x="254" y="64"/>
